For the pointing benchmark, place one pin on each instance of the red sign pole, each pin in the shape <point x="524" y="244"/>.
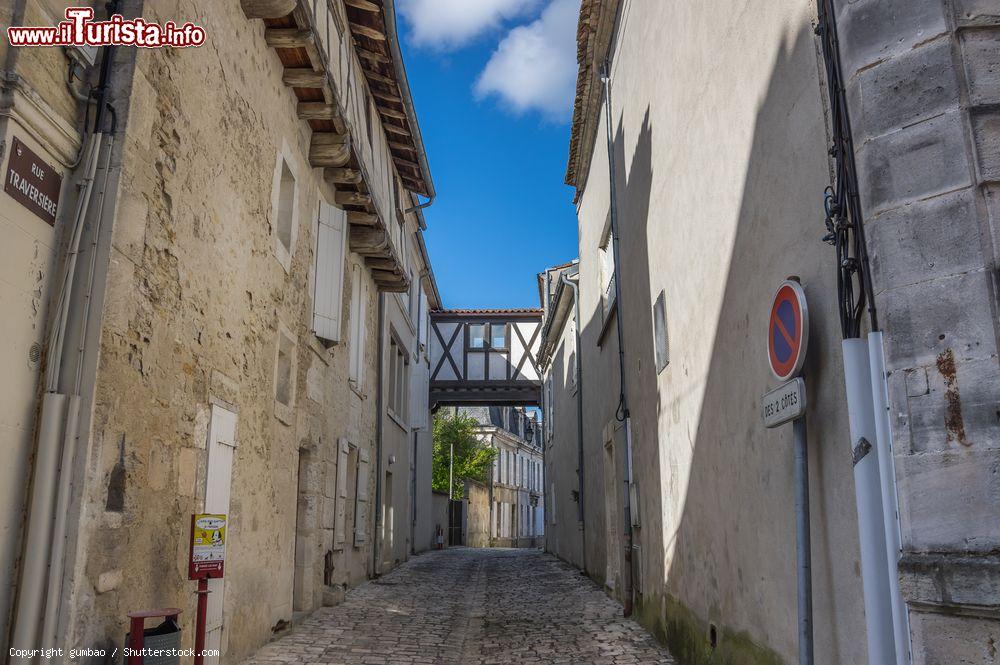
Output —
<point x="137" y="627"/>
<point x="201" y="620"/>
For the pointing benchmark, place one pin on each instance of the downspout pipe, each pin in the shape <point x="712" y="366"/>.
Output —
<point x="379" y="429"/>
<point x="581" y="507"/>
<point x="622" y="414"/>
<point x="40" y="588"/>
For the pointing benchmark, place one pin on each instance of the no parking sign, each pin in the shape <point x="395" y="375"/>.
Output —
<point x="788" y="331"/>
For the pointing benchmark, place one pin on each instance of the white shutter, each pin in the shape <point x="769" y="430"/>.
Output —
<point x="331" y="238"/>
<point x="343" y="453"/>
<point x="424" y="320"/>
<point x="361" y="500"/>
<point x="419" y="388"/>
<point x="221" y="447"/>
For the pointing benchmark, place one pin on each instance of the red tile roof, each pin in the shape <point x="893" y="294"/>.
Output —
<point x="527" y="310"/>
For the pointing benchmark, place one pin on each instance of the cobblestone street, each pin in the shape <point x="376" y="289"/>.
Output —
<point x="471" y="606"/>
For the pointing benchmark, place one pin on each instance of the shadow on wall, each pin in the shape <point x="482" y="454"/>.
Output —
<point x="716" y="568"/>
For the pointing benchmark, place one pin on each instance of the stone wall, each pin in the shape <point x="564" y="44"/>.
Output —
<point x="923" y="83"/>
<point x="196" y="301"/>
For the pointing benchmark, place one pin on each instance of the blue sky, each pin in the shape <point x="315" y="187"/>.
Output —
<point x="492" y="82"/>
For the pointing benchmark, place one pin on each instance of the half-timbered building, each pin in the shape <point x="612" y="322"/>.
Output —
<point x="485" y="356"/>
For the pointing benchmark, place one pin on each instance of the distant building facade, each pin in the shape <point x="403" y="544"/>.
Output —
<point x="701" y="155"/>
<point x="513" y="495"/>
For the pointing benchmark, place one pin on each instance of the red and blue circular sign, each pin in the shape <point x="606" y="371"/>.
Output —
<point x="788" y="331"/>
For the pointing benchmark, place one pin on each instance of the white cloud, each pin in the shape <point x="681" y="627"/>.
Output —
<point x="534" y="66"/>
<point x="452" y="23"/>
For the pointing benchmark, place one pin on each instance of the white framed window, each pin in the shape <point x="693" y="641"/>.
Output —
<point x="607" y="272"/>
<point x="477" y="335"/>
<point x="284" y="207"/>
<point x="398" y="372"/>
<point x="357" y="326"/>
<point x="661" y="339"/>
<point x="328" y="290"/>
<point x="498" y="336"/>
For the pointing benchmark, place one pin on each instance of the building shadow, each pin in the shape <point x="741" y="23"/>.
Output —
<point x="716" y="562"/>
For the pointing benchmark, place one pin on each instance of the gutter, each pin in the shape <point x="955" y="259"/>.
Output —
<point x="392" y="39"/>
<point x="428" y="273"/>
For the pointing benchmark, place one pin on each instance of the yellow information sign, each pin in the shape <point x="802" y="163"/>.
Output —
<point x="208" y="546"/>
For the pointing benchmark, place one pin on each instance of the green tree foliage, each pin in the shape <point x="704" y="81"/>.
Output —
<point x="473" y="458"/>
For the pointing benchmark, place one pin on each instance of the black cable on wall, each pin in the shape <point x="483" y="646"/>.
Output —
<point x="842" y="204"/>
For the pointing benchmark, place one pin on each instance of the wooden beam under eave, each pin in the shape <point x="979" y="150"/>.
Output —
<point x="317" y="111"/>
<point x="380" y="78"/>
<point x="396" y="129"/>
<point x="405" y="162"/>
<point x="329" y="149"/>
<point x="369" y="240"/>
<point x="357" y="218"/>
<point x="352" y="199"/>
<point x="394" y="145"/>
<point x="382" y="263"/>
<point x="389" y="285"/>
<point x="371" y="55"/>
<point x="288" y="37"/>
<point x="343" y="176"/>
<point x="267" y="8"/>
<point x="387" y="97"/>
<point x="391" y="113"/>
<point x="365" y="31"/>
<point x="364" y="5"/>
<point x="303" y="77"/>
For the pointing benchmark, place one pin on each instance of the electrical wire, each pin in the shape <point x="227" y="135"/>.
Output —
<point x="841" y="201"/>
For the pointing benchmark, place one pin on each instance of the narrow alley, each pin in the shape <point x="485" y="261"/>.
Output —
<point x="471" y="606"/>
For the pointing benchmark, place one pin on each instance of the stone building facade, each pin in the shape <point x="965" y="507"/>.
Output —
<point x="247" y="314"/>
<point x="509" y="510"/>
<point x="719" y="158"/>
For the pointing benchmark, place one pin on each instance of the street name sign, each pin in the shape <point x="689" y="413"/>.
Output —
<point x="32" y="182"/>
<point x="788" y="331"/>
<point x="784" y="403"/>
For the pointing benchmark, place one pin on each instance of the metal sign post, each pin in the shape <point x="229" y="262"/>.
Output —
<point x="787" y="342"/>
<point x="207" y="560"/>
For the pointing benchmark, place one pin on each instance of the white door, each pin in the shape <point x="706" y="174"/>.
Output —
<point x="221" y="446"/>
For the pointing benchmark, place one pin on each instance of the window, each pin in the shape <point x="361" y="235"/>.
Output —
<point x="498" y="335"/>
<point x="477" y="335"/>
<point x="398" y="372"/>
<point x="328" y="291"/>
<point x="660" y="338"/>
<point x="607" y="268"/>
<point x="358" y="327"/>
<point x="284" y="206"/>
<point x="284" y="374"/>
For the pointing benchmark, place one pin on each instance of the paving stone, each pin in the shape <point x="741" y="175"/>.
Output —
<point x="479" y="606"/>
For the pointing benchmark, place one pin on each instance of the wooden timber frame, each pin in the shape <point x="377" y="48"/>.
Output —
<point x="464" y="375"/>
<point x="289" y="30"/>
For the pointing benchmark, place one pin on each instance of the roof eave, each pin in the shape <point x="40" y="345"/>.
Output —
<point x="404" y="88"/>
